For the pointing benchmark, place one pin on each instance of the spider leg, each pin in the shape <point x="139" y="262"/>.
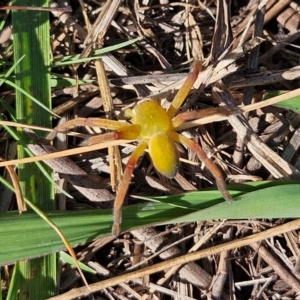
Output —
<point x="124" y="187"/>
<point x="198" y="114"/>
<point x="208" y="162"/>
<point x="184" y="90"/>
<point x="93" y="122"/>
<point x="131" y="133"/>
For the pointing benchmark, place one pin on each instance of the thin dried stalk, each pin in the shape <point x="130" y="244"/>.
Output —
<point x="293" y="225"/>
<point x="278" y="167"/>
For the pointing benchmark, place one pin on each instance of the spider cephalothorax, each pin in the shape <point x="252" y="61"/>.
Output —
<point x="156" y="129"/>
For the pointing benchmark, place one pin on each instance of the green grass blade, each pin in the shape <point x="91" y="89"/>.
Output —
<point x="39" y="285"/>
<point x="29" y="96"/>
<point x="10" y="71"/>
<point x="292" y="103"/>
<point x="273" y="202"/>
<point x="63" y="256"/>
<point x="35" y="279"/>
<point x="255" y="200"/>
<point x="75" y="59"/>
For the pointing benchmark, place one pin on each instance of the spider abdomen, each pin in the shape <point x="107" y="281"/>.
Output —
<point x="164" y="154"/>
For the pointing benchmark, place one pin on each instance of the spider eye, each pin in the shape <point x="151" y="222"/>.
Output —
<point x="164" y="154"/>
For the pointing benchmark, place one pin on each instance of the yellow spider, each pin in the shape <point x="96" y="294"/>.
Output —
<point x="154" y="128"/>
